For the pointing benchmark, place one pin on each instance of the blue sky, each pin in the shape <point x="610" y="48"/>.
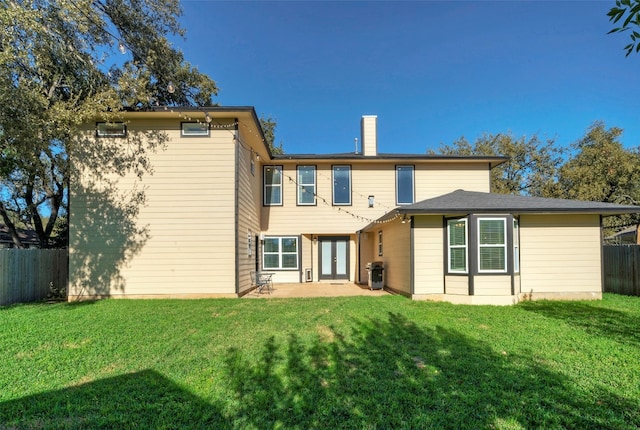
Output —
<point x="431" y="71"/>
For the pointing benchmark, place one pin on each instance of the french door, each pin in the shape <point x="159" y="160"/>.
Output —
<point x="334" y="257"/>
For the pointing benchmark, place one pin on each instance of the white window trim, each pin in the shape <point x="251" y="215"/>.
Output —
<point x="503" y="246"/>
<point x="413" y="184"/>
<point x="303" y="184"/>
<point x="201" y="131"/>
<point x="465" y="246"/>
<point x="265" y="185"/>
<point x="516" y="245"/>
<point x="333" y="188"/>
<point x="280" y="253"/>
<point x="380" y="243"/>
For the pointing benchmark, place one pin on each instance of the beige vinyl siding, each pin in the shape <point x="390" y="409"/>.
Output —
<point x="367" y="179"/>
<point x="324" y="218"/>
<point x="368" y="253"/>
<point x="457" y="285"/>
<point x="428" y="255"/>
<point x="188" y="215"/>
<point x="249" y="195"/>
<point x="560" y="254"/>
<point x="516" y="284"/>
<point x="309" y="252"/>
<point x="353" y="252"/>
<point x="396" y="255"/>
<point x="492" y="285"/>
<point x="445" y="178"/>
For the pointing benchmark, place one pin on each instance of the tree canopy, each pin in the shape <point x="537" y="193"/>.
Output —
<point x="67" y="62"/>
<point x="530" y="170"/>
<point x="269" y="125"/>
<point x="597" y="167"/>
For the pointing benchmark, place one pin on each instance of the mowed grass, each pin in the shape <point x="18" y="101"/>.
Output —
<point x="355" y="362"/>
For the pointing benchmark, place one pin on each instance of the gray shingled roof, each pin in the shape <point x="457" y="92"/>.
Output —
<point x="461" y="201"/>
<point x="492" y="160"/>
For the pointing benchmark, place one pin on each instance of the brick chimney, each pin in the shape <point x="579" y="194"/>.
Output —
<point x="369" y="134"/>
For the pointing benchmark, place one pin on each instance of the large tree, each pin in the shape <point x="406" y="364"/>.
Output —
<point x="530" y="170"/>
<point x="67" y="62"/>
<point x="630" y="11"/>
<point x="602" y="169"/>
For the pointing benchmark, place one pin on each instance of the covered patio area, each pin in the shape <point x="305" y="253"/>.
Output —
<point x="316" y="289"/>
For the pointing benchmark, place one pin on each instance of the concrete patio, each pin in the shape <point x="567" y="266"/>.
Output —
<point x="316" y="289"/>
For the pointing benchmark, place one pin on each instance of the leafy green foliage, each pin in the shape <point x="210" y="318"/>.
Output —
<point x="602" y="170"/>
<point x="269" y="127"/>
<point x="630" y="11"/>
<point x="358" y="362"/>
<point x="58" y="71"/>
<point x="595" y="168"/>
<point x="530" y="170"/>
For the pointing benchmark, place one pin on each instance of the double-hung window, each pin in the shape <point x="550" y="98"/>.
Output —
<point x="492" y="245"/>
<point x="341" y="185"/>
<point x="457" y="240"/>
<point x="306" y="185"/>
<point x="272" y="185"/>
<point x="404" y="185"/>
<point x="280" y="253"/>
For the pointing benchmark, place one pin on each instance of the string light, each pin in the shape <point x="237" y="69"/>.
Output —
<point x="291" y="179"/>
<point x="231" y="127"/>
<point x="366" y="197"/>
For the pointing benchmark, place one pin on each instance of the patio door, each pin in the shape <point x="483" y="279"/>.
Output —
<point x="333" y="254"/>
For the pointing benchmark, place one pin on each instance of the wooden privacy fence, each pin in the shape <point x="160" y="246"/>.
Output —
<point x="621" y="269"/>
<point x="26" y="274"/>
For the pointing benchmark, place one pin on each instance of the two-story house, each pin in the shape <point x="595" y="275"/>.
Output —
<point x="219" y="205"/>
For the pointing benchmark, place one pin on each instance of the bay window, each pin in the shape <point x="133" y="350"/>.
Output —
<point x="492" y="245"/>
<point x="491" y="240"/>
<point x="457" y="245"/>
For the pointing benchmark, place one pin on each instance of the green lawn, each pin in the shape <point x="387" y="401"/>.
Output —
<point x="356" y="362"/>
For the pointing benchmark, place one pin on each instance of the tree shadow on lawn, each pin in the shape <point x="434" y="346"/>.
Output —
<point x="387" y="373"/>
<point x="592" y="317"/>
<point x="144" y="399"/>
<point x="394" y="374"/>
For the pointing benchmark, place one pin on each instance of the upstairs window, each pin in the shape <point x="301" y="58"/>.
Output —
<point x="194" y="129"/>
<point x="306" y="185"/>
<point x="341" y="185"/>
<point x="272" y="185"/>
<point x="404" y="185"/>
<point x="492" y="245"/>
<point x="111" y="129"/>
<point x="457" y="245"/>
